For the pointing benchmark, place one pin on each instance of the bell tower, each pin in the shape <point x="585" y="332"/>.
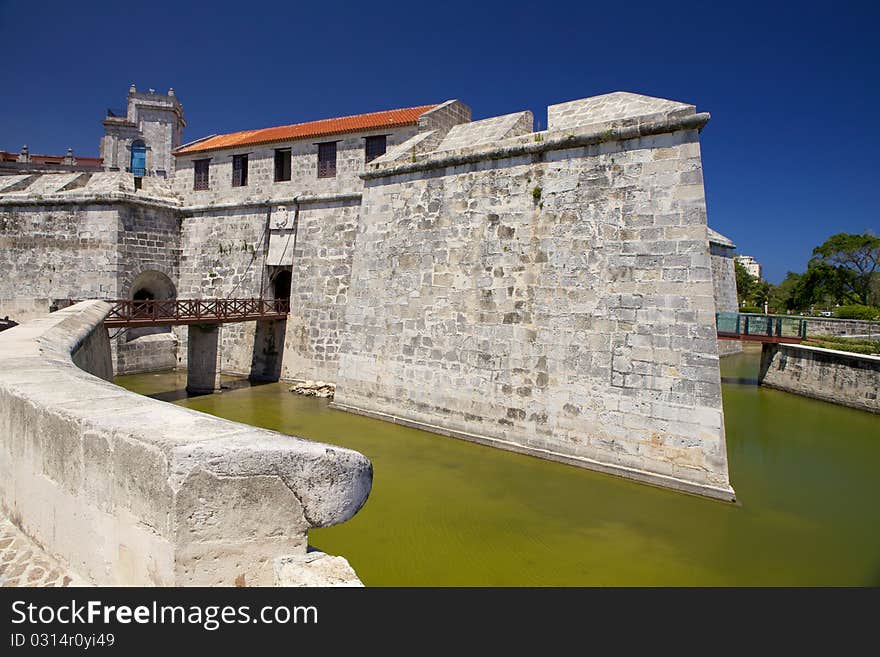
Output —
<point x="141" y="137"/>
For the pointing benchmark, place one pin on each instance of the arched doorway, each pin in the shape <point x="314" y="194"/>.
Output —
<point x="148" y="286"/>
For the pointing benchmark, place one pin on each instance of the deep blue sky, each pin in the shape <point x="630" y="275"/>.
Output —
<point x="790" y="155"/>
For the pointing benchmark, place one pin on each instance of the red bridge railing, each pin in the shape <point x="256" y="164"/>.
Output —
<point x="157" y="312"/>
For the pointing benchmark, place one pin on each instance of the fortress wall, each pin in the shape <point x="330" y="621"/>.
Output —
<point x="76" y="246"/>
<point x="322" y="258"/>
<point x="55" y="251"/>
<point x="127" y="490"/>
<point x="148" y="240"/>
<point x="549" y="296"/>
<point x="222" y="256"/>
<point x="724" y="282"/>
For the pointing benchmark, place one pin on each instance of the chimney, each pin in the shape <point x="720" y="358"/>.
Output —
<point x="24" y="156"/>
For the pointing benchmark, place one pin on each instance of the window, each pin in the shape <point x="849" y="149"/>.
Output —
<point x="327" y="160"/>
<point x="200" y="168"/>
<point x="282" y="164"/>
<point x="374" y="147"/>
<point x="138" y="158"/>
<point x="239" y="170"/>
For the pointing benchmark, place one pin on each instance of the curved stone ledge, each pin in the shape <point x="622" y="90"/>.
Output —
<point x="105" y="198"/>
<point x="128" y="490"/>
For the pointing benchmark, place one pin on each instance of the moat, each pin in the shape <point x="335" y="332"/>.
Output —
<point x="446" y="512"/>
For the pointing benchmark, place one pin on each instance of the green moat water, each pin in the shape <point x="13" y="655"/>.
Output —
<point x="447" y="512"/>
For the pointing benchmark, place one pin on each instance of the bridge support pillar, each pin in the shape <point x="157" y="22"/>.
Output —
<point x="203" y="358"/>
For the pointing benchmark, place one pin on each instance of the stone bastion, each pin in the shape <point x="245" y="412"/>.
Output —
<point x="127" y="490"/>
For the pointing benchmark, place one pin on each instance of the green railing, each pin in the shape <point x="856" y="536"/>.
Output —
<point x="769" y="326"/>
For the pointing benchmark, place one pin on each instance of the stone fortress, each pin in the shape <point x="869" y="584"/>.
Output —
<point x="551" y="292"/>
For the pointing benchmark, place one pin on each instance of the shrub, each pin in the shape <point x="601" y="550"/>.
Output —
<point x="856" y="311"/>
<point x="752" y="309"/>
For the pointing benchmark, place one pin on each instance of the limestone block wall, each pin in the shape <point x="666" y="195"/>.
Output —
<point x="444" y="117"/>
<point x="146" y="353"/>
<point x="487" y="131"/>
<point x="835" y="376"/>
<point x="841" y="327"/>
<point x="115" y="146"/>
<point x="84" y="236"/>
<point x="222" y="255"/>
<point x="127" y="490"/>
<point x="149" y="240"/>
<point x="161" y="133"/>
<point x="617" y="106"/>
<point x="54" y="251"/>
<point x="325" y="243"/>
<point x="552" y="296"/>
<point x="724" y="282"/>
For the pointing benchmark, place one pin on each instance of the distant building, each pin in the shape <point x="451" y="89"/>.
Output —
<point x="752" y="266"/>
<point x="25" y="162"/>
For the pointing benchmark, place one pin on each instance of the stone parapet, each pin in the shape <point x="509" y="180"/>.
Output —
<point x="541" y="142"/>
<point x="839" y="377"/>
<point x="127" y="490"/>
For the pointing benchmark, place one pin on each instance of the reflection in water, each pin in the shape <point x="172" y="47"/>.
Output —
<point x="447" y="512"/>
<point x="740" y="380"/>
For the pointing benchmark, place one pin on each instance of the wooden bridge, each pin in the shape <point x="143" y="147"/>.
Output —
<point x="760" y="328"/>
<point x="178" y="312"/>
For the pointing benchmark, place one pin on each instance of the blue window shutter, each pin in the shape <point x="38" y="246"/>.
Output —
<point x="139" y="159"/>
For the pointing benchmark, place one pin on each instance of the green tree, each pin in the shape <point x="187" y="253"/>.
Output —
<point x="821" y="284"/>
<point x="745" y="283"/>
<point x="781" y="295"/>
<point x="750" y="291"/>
<point x="856" y="259"/>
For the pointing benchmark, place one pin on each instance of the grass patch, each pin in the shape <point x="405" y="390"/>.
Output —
<point x="840" y="343"/>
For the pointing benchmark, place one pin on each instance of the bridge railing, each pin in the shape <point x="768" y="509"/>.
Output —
<point x="760" y="326"/>
<point x="133" y="312"/>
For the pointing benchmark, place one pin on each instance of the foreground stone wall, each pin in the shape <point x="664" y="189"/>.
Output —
<point x="835" y="376"/>
<point x="550" y="295"/>
<point x="127" y="490"/>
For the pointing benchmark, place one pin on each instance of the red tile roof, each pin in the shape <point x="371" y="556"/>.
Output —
<point x="359" y="123"/>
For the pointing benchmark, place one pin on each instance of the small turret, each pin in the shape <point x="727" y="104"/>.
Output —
<point x="141" y="139"/>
